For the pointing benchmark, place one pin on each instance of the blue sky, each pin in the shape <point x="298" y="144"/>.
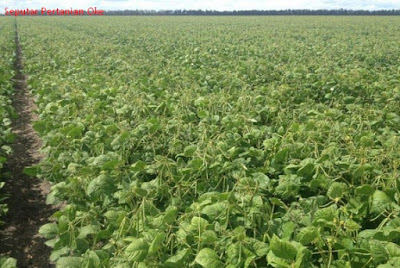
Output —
<point x="203" y="4"/>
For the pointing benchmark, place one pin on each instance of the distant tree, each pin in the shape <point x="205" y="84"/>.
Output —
<point x="287" y="12"/>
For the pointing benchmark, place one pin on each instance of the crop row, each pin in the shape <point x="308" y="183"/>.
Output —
<point x="7" y="55"/>
<point x="218" y="142"/>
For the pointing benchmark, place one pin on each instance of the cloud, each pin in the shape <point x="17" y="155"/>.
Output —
<point x="204" y="4"/>
<point x="361" y="4"/>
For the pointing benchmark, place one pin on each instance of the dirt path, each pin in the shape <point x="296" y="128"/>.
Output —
<point x="27" y="208"/>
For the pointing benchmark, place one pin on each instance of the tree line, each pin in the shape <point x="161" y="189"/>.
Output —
<point x="287" y="12"/>
<point x="331" y="12"/>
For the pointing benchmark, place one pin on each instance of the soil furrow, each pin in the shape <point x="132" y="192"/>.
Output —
<point x="28" y="211"/>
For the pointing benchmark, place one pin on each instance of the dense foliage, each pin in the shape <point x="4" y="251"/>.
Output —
<point x="6" y="88"/>
<point x="7" y="48"/>
<point x="219" y="142"/>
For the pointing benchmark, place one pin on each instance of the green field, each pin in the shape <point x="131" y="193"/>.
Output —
<point x="218" y="141"/>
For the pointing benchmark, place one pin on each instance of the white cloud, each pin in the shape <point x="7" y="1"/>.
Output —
<point x="205" y="4"/>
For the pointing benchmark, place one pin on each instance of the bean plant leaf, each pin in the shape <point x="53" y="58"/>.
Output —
<point x="283" y="249"/>
<point x="137" y="250"/>
<point x="208" y="258"/>
<point x="32" y="171"/>
<point x="337" y="190"/>
<point x="178" y="259"/>
<point x="380" y="202"/>
<point x="49" y="230"/>
<point x="8" y="262"/>
<point x="157" y="243"/>
<point x="88" y="230"/>
<point x="69" y="262"/>
<point x="307" y="235"/>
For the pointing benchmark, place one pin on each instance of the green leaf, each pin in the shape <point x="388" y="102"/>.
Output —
<point x="111" y="165"/>
<point x="154" y="125"/>
<point x="103" y="184"/>
<point x="233" y="254"/>
<point x="215" y="210"/>
<point x="280" y="157"/>
<point x="351" y="225"/>
<point x="138" y="166"/>
<point x="75" y="133"/>
<point x="208" y="236"/>
<point x="283" y="249"/>
<point x="196" y="164"/>
<point x="367" y="234"/>
<point x="32" y="171"/>
<point x="380" y="202"/>
<point x="198" y="223"/>
<point x="49" y="230"/>
<point x="208" y="258"/>
<point x="178" y="259"/>
<point x="51" y="198"/>
<point x="307" y="169"/>
<point x="326" y="214"/>
<point x="307" y="235"/>
<point x="157" y="243"/>
<point x="40" y="127"/>
<point x="289" y="186"/>
<point x="91" y="260"/>
<point x="365" y="190"/>
<point x="378" y="251"/>
<point x="260" y="248"/>
<point x="287" y="230"/>
<point x="3" y="159"/>
<point x="337" y="190"/>
<point x="319" y="182"/>
<point x="302" y="254"/>
<point x="8" y="262"/>
<point x="249" y="260"/>
<point x="392" y="263"/>
<point x="202" y="114"/>
<point x="52" y="242"/>
<point x="7" y="149"/>
<point x="263" y="181"/>
<point x="69" y="262"/>
<point x="100" y="160"/>
<point x="276" y="261"/>
<point x="88" y="230"/>
<point x="189" y="150"/>
<point x="137" y="250"/>
<point x="393" y="250"/>
<point x="170" y="215"/>
<point x="278" y="202"/>
<point x="56" y="254"/>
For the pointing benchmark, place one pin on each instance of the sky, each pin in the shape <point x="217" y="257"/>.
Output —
<point x="202" y="4"/>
